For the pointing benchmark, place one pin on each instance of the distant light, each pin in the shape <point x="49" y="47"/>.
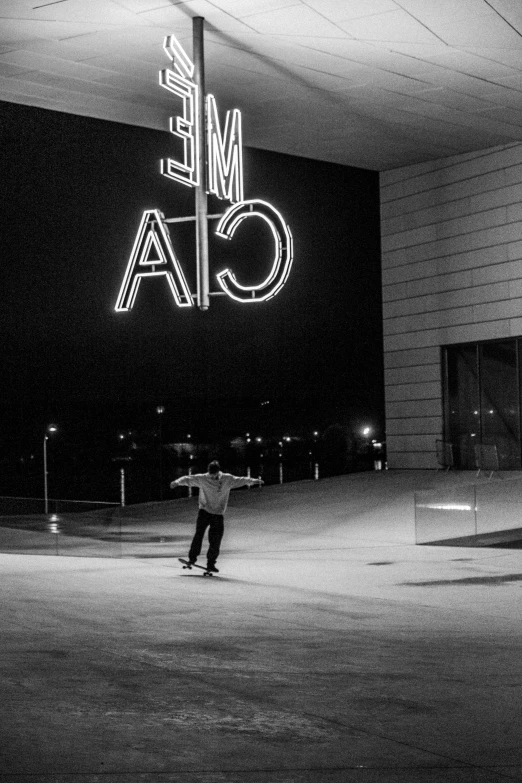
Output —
<point x="160" y="409"/>
<point x="288" y="439"/>
<point x="52" y="428"/>
<point x="446" y="506"/>
<point x="259" y="440"/>
<point x="316" y="434"/>
<point x="366" y="431"/>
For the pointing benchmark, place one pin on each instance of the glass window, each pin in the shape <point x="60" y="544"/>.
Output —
<point x="462" y="404"/>
<point x="482" y="401"/>
<point x="500" y="419"/>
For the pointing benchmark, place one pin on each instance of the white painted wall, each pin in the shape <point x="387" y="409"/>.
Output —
<point x="452" y="273"/>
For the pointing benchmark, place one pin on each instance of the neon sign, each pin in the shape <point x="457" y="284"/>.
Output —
<point x="212" y="163"/>
<point x="179" y="81"/>
<point x="153" y="256"/>
<point x="225" y="154"/>
<point x="283" y="256"/>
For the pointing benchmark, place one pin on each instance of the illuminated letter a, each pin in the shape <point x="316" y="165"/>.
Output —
<point x="153" y="256"/>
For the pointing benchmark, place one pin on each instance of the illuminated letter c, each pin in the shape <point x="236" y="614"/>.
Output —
<point x="283" y="251"/>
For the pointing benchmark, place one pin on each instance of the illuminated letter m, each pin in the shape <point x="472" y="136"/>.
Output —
<point x="225" y="154"/>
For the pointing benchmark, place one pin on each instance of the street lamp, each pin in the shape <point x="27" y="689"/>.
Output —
<point x="50" y="428"/>
<point x="160" y="410"/>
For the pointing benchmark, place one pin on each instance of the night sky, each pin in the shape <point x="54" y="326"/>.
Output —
<point x="74" y="189"/>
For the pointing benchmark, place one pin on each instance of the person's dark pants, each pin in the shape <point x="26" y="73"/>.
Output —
<point x="215" y="525"/>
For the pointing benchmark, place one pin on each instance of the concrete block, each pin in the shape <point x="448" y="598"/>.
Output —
<point x="514" y="212"/>
<point x="410" y="443"/>
<point x="412" y="461"/>
<point x="446" y="300"/>
<point x="413" y="409"/>
<point x="412" y="391"/>
<point x="450" y="246"/>
<point x="418" y="374"/>
<point x="515" y="327"/>
<point x="430" y="320"/>
<point x="409" y="237"/>
<point x="514" y="250"/>
<point x="515" y="288"/>
<point x="412" y="358"/>
<point x="452" y="170"/>
<point x="494" y="311"/>
<point x="499" y="272"/>
<point x="424" y="339"/>
<point x="452" y="263"/>
<point x="428" y="425"/>
<point x="451" y="207"/>
<point x="490" y="330"/>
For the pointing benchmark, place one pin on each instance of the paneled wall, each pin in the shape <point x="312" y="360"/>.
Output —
<point x="452" y="273"/>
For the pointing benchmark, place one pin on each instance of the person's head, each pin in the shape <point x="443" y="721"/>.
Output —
<point x="214" y="467"/>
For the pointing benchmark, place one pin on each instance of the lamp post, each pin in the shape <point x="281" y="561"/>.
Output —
<point x="160" y="410"/>
<point x="48" y="429"/>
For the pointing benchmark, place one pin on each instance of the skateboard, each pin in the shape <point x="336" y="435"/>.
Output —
<point x="189" y="566"/>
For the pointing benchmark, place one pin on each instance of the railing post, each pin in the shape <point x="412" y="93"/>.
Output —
<point x="475" y="507"/>
<point x="122" y="486"/>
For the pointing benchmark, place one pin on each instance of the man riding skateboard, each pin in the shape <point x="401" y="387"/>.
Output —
<point x="214" y="490"/>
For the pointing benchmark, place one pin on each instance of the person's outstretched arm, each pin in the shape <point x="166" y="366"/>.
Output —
<point x="245" y="481"/>
<point x="186" y="481"/>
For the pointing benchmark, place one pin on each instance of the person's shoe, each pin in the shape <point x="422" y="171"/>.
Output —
<point x="191" y="561"/>
<point x="213" y="569"/>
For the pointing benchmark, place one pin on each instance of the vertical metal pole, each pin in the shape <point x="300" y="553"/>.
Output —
<point x="201" y="189"/>
<point x="122" y="486"/>
<point x="46" y="500"/>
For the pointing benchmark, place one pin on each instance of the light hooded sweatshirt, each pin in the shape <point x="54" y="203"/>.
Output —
<point x="214" y="488"/>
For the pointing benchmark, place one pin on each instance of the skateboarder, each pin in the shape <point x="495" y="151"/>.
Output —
<point x="214" y="490"/>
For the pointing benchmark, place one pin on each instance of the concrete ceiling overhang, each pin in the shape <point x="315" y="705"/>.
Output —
<point x="371" y="83"/>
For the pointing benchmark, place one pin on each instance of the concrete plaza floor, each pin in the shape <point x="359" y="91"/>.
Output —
<point x="330" y="648"/>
